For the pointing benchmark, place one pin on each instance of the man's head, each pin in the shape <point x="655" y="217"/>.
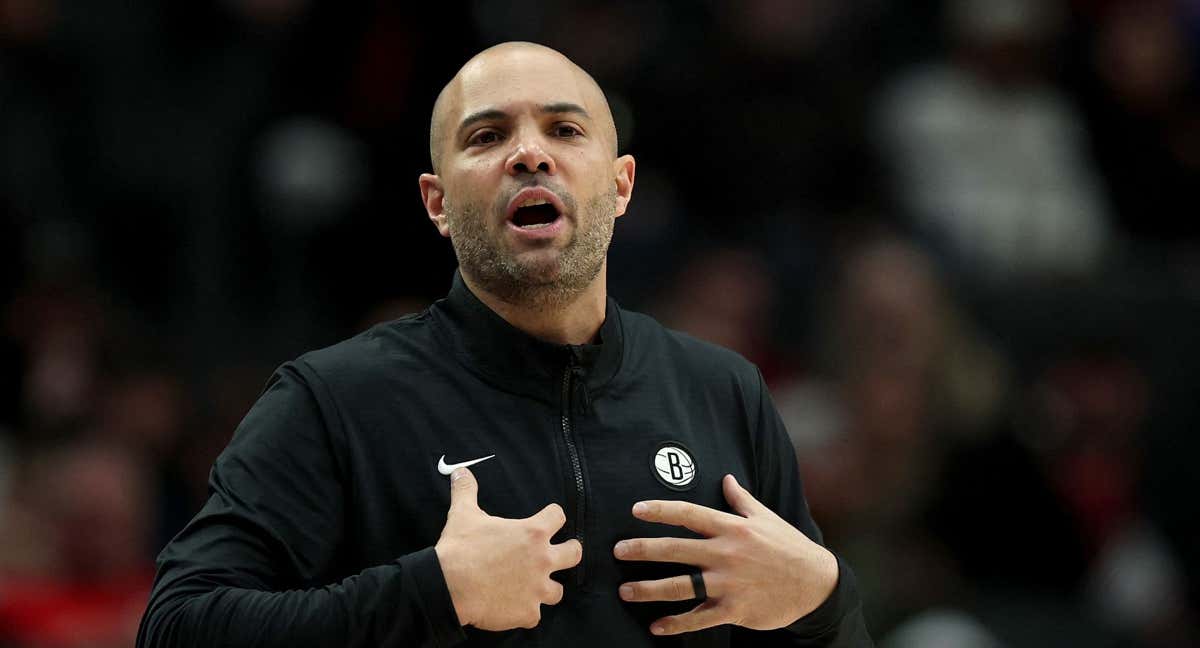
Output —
<point x="527" y="182"/>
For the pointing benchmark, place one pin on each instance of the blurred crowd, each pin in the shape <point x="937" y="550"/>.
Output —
<point x="959" y="237"/>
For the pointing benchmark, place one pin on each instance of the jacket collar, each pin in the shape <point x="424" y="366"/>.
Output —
<point x="514" y="360"/>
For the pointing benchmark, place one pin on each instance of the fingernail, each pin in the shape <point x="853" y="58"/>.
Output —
<point x="458" y="474"/>
<point x="626" y="592"/>
<point x="640" y="508"/>
<point x="656" y="629"/>
<point x="621" y="549"/>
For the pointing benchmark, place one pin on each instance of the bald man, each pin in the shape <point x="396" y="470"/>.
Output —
<point x="523" y="463"/>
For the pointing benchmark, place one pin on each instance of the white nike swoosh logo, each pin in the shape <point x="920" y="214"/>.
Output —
<point x="446" y="469"/>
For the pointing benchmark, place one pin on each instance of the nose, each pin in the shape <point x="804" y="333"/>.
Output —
<point x="530" y="157"/>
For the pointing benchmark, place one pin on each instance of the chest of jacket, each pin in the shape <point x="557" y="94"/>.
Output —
<point x="627" y="443"/>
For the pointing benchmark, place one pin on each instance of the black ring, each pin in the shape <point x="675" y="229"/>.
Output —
<point x="698" y="585"/>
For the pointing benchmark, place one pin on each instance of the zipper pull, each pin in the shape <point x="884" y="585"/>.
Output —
<point x="579" y="376"/>
<point x="581" y="386"/>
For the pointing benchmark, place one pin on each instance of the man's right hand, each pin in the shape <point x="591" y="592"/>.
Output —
<point x="497" y="569"/>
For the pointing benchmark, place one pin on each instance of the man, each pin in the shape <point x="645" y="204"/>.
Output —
<point x="605" y="452"/>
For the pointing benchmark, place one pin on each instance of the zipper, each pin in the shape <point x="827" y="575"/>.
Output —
<point x="576" y="465"/>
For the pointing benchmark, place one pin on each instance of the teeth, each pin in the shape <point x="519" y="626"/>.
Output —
<point x="532" y="202"/>
<point x="535" y="226"/>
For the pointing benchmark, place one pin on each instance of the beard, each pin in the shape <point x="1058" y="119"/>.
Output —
<point x="538" y="281"/>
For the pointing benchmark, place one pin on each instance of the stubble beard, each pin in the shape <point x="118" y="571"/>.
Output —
<point x="538" y="283"/>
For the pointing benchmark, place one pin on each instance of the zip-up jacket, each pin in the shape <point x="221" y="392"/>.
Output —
<point x="325" y="507"/>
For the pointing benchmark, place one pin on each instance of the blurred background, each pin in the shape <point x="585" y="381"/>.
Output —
<point x="960" y="238"/>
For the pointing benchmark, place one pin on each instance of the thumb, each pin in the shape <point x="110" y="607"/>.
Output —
<point x="464" y="490"/>
<point x="739" y="498"/>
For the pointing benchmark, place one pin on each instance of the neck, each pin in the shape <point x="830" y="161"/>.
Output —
<point x="574" y="322"/>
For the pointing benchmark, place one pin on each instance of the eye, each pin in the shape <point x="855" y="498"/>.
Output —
<point x="566" y="130"/>
<point x="483" y="138"/>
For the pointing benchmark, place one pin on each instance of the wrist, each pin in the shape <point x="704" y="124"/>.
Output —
<point x="829" y="575"/>
<point x="817" y="583"/>
<point x="459" y="595"/>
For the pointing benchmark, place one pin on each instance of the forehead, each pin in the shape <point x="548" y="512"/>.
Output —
<point x="509" y="79"/>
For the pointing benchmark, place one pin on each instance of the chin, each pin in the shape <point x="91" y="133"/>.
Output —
<point x="540" y="275"/>
<point x="543" y="266"/>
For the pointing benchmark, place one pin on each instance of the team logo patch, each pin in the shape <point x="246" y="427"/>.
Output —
<point x="674" y="466"/>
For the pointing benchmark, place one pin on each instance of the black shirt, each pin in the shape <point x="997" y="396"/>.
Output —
<point x="325" y="507"/>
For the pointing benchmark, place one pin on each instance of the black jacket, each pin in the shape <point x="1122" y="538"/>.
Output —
<point x="325" y="507"/>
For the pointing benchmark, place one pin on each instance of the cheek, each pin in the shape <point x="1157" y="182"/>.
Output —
<point x="605" y="183"/>
<point x="483" y="165"/>
<point x="593" y="177"/>
<point x="468" y="188"/>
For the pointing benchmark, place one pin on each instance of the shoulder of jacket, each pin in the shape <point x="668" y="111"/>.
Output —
<point x="384" y="346"/>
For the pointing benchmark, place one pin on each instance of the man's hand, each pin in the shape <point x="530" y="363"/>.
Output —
<point x="759" y="571"/>
<point x="498" y="570"/>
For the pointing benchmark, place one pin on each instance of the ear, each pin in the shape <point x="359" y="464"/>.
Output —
<point x="434" y="196"/>
<point x="623" y="168"/>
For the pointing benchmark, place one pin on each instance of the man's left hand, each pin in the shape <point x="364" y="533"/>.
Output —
<point x="759" y="571"/>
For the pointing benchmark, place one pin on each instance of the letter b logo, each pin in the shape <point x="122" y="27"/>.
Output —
<point x="674" y="466"/>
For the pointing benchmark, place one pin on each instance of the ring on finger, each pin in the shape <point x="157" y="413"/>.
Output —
<point x="698" y="585"/>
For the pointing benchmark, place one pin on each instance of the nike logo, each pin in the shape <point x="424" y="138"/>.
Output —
<point x="446" y="469"/>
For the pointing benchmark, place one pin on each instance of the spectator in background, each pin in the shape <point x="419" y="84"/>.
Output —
<point x="1088" y="439"/>
<point x="89" y="590"/>
<point x="94" y="474"/>
<point x="57" y="327"/>
<point x="725" y="296"/>
<point x="1143" y="102"/>
<point x="900" y="381"/>
<point x="989" y="155"/>
<point x="972" y="523"/>
<point x="143" y="409"/>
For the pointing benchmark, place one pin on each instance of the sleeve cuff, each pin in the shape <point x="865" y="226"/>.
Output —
<point x="827" y="619"/>
<point x="424" y="575"/>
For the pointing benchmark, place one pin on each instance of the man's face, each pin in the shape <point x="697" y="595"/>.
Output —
<point x="529" y="185"/>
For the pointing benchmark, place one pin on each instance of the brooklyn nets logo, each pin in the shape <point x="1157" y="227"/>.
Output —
<point x="674" y="466"/>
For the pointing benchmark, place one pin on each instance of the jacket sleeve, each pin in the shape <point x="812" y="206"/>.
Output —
<point x="249" y="569"/>
<point x="838" y="622"/>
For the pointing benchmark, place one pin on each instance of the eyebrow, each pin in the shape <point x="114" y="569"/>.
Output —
<point x="557" y="108"/>
<point x="563" y="107"/>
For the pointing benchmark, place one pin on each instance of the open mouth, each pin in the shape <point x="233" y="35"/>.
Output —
<point x="534" y="213"/>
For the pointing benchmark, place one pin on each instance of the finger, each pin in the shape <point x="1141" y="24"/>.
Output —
<point x="549" y="519"/>
<point x="464" y="490"/>
<point x="701" y="519"/>
<point x="706" y="615"/>
<point x="676" y="550"/>
<point x="553" y="594"/>
<point x="565" y="555"/>
<point x="739" y="498"/>
<point x="675" y="588"/>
